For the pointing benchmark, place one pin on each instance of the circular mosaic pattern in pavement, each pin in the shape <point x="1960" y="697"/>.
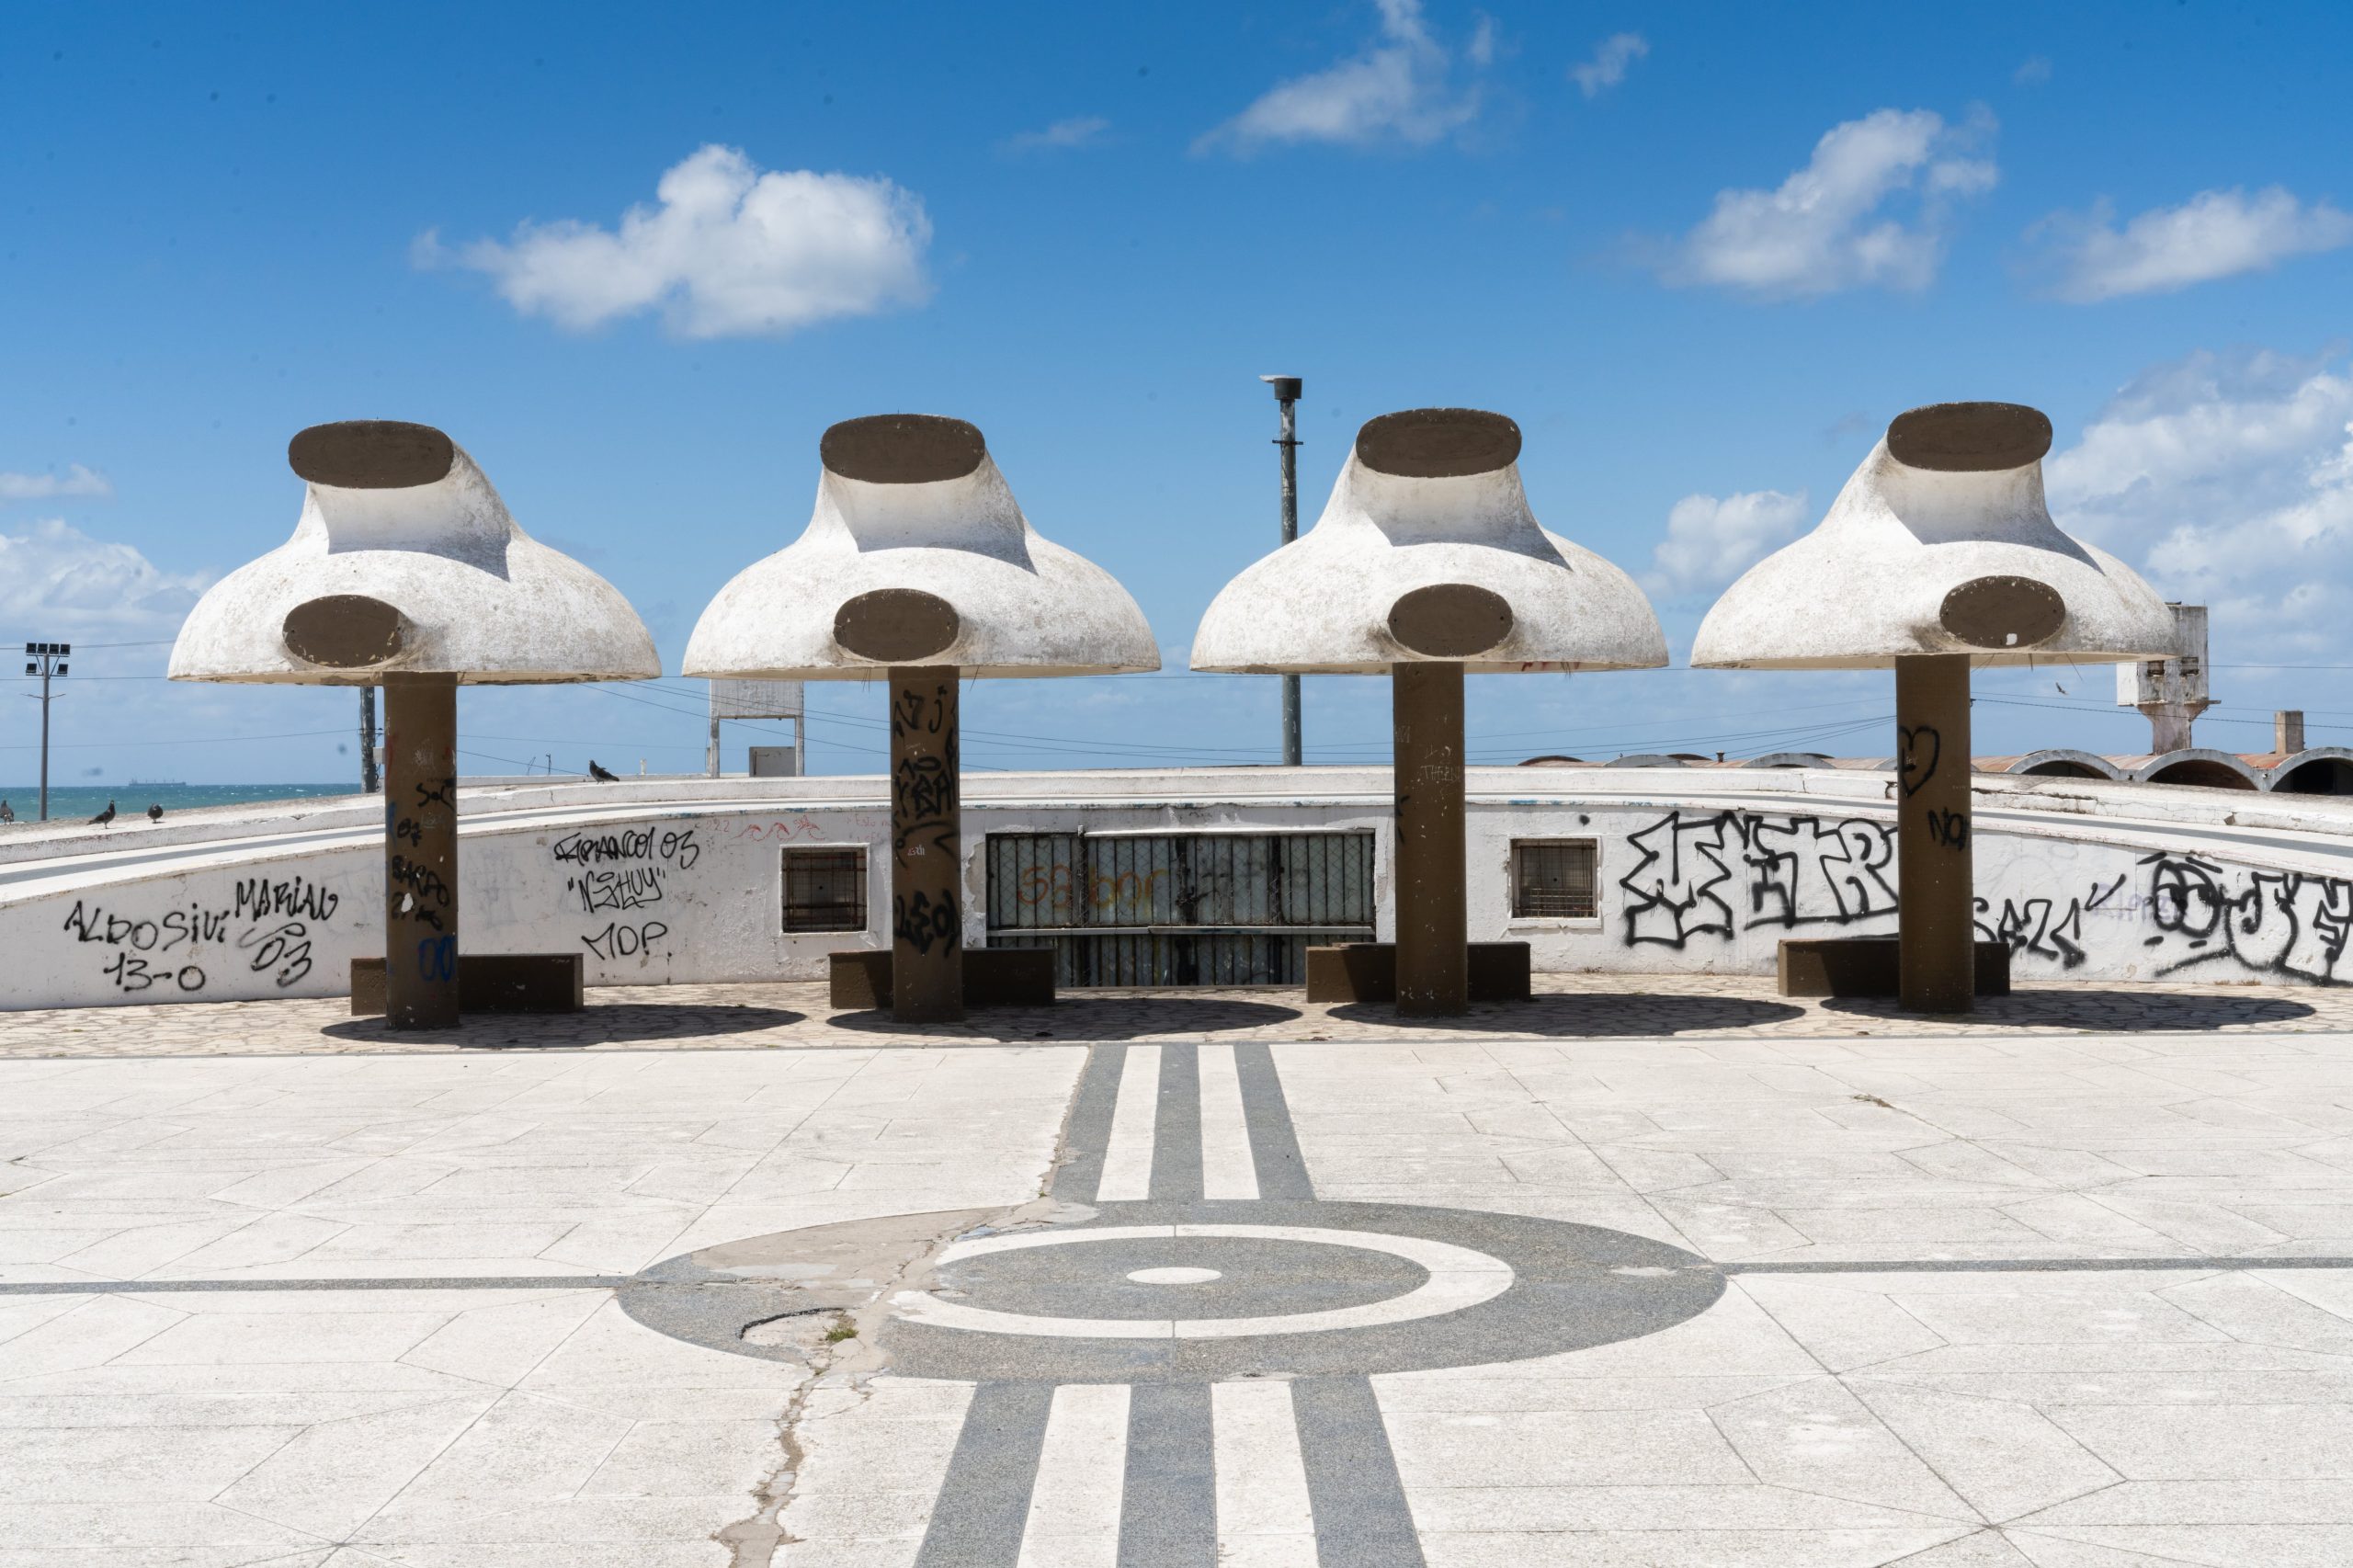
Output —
<point x="1187" y="1292"/>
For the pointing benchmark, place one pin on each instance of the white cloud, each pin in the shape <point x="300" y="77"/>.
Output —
<point x="2228" y="478"/>
<point x="1608" y="66"/>
<point x="75" y="481"/>
<point x="1709" y="541"/>
<point x="1075" y="132"/>
<point x="58" y="581"/>
<point x="1485" y="41"/>
<point x="2032" y="71"/>
<point x="1398" y="88"/>
<point x="728" y="251"/>
<point x="1829" y="226"/>
<point x="2213" y="234"/>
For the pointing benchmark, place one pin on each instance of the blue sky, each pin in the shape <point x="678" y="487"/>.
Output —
<point x="1702" y="253"/>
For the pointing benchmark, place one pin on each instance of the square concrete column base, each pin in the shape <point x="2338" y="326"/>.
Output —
<point x="1366" y="972"/>
<point x="994" y="977"/>
<point x="490" y="983"/>
<point x="1866" y="966"/>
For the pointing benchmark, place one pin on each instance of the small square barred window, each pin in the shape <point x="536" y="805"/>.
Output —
<point x="824" y="890"/>
<point x="1552" y="879"/>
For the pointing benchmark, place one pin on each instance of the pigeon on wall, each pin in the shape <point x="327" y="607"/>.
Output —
<point x="104" y="818"/>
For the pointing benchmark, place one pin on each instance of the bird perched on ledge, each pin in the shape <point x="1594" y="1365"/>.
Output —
<point x="7" y="812"/>
<point x="105" y="817"/>
<point x="154" y="813"/>
<point x="602" y="774"/>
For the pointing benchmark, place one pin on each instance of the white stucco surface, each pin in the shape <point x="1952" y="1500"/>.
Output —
<point x="1321" y="604"/>
<point x="681" y="880"/>
<point x="480" y="599"/>
<point x="1025" y="606"/>
<point x="1867" y="585"/>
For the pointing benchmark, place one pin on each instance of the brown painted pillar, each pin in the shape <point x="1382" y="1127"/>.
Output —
<point x="421" y="851"/>
<point x="1433" y="932"/>
<point x="1937" y="931"/>
<point x="926" y="840"/>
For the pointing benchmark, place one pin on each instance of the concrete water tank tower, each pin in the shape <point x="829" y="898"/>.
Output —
<point x="2170" y="691"/>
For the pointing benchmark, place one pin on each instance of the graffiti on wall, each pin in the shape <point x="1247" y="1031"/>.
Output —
<point x="1710" y="874"/>
<point x="1059" y="887"/>
<point x="623" y="873"/>
<point x="2278" y="923"/>
<point x="780" y="830"/>
<point x="266" y="924"/>
<point x="924" y="809"/>
<point x="2046" y="927"/>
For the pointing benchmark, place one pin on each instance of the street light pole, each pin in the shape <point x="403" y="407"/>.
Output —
<point x="45" y="660"/>
<point x="1287" y="391"/>
<point x="366" y="740"/>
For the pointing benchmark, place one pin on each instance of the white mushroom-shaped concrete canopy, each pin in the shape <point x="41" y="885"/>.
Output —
<point x="1941" y="543"/>
<point x="1427" y="552"/>
<point x="917" y="554"/>
<point x="405" y="563"/>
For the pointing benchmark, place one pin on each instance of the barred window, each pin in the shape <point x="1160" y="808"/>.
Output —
<point x="824" y="890"/>
<point x="1553" y="878"/>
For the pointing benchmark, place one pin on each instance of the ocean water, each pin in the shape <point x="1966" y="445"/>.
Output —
<point x="79" y="803"/>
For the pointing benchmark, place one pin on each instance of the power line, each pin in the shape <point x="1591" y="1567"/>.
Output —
<point x="198" y="740"/>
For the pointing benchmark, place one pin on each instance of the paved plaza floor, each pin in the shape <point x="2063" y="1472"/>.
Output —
<point x="1645" y="1273"/>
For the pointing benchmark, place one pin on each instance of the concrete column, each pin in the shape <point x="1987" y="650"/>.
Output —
<point x="1433" y="932"/>
<point x="926" y="847"/>
<point x="421" y="851"/>
<point x="1937" y="931"/>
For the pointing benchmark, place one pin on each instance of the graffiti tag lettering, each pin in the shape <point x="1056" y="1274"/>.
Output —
<point x="621" y="941"/>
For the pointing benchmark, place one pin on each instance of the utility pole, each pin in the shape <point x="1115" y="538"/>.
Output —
<point x="1287" y="391"/>
<point x="366" y="740"/>
<point x="45" y="660"/>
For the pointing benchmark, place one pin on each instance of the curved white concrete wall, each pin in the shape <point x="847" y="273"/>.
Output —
<point x="679" y="881"/>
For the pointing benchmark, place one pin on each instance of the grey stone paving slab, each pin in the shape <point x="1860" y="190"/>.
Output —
<point x="1168" y="1515"/>
<point x="982" y="1508"/>
<point x="1360" y="1508"/>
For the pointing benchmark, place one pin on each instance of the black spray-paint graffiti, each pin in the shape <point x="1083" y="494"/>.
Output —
<point x="1711" y="875"/>
<point x="669" y="846"/>
<point x="423" y="892"/>
<point x="288" y="948"/>
<point x="925" y="808"/>
<point x="1916" y="754"/>
<point x="272" y="944"/>
<point x="922" y="924"/>
<point x="627" y="869"/>
<point x="2037" y="925"/>
<point x="2281" y="923"/>
<point x="258" y="898"/>
<point x="620" y="941"/>
<point x="632" y="887"/>
<point x="922" y="790"/>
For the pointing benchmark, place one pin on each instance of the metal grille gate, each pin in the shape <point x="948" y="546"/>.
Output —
<point x="1179" y="908"/>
